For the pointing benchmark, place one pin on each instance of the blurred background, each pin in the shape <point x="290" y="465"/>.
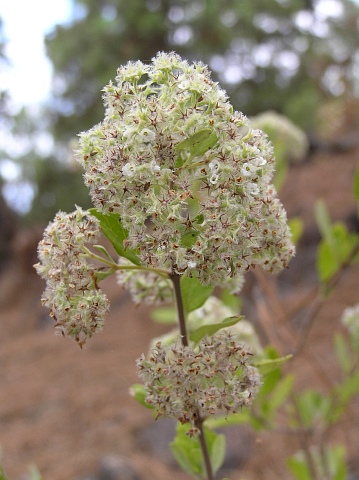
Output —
<point x="299" y="58"/>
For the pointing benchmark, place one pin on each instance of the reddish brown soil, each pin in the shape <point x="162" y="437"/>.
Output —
<point x="63" y="408"/>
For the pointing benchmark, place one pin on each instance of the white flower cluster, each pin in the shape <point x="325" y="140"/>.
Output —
<point x="194" y="383"/>
<point x="189" y="176"/>
<point x="76" y="304"/>
<point x="144" y="286"/>
<point x="291" y="140"/>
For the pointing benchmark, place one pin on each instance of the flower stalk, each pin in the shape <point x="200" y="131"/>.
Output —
<point x="180" y="309"/>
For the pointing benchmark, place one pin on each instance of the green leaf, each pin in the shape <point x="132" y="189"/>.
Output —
<point x="199" y="143"/>
<point x="194" y="294"/>
<point x="313" y="407"/>
<point x="299" y="468"/>
<point x="231" y="300"/>
<point x="273" y="393"/>
<point x="34" y="473"/>
<point x="213" y="328"/>
<point x="334" y="251"/>
<point x="164" y="315"/>
<point x="199" y="218"/>
<point x="327" y="264"/>
<point x="187" y="450"/>
<point x="296" y="226"/>
<point x="234" y="419"/>
<point x="2" y="474"/>
<point x="102" y="274"/>
<point x="113" y="230"/>
<point x="217" y="450"/>
<point x="349" y="387"/>
<point x="268" y="365"/>
<point x="342" y="352"/>
<point x="189" y="239"/>
<point x="138" y="392"/>
<point x="281" y="392"/>
<point x="323" y="219"/>
<point x="336" y="459"/>
<point x="105" y="253"/>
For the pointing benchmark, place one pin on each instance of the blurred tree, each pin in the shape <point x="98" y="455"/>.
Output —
<point x="290" y="56"/>
<point x="286" y="55"/>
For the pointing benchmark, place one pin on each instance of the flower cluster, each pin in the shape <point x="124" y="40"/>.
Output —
<point x="291" y="141"/>
<point x="188" y="175"/>
<point x="193" y="383"/>
<point x="144" y="286"/>
<point x="212" y="312"/>
<point x="76" y="304"/>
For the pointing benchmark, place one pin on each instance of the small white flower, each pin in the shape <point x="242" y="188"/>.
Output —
<point x="214" y="166"/>
<point x="214" y="179"/>
<point x="248" y="170"/>
<point x="261" y="161"/>
<point x="154" y="167"/>
<point x="146" y="135"/>
<point x="252" y="188"/>
<point x="128" y="133"/>
<point x="192" y="264"/>
<point x="128" y="170"/>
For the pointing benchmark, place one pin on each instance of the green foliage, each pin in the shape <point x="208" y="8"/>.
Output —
<point x="165" y="315"/>
<point x="139" y="393"/>
<point x="313" y="408"/>
<point x="187" y="450"/>
<point x="2" y="474"/>
<point x="198" y="144"/>
<point x="329" y="464"/>
<point x="211" y="329"/>
<point x="34" y="473"/>
<point x="269" y="365"/>
<point x="194" y="293"/>
<point x="113" y="230"/>
<point x="337" y="245"/>
<point x="342" y="353"/>
<point x="296" y="226"/>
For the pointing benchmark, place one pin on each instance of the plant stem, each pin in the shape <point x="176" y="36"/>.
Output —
<point x="184" y="336"/>
<point x="180" y="310"/>
<point x="204" y="448"/>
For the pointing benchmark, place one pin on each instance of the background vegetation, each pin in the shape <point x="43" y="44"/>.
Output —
<point x="297" y="57"/>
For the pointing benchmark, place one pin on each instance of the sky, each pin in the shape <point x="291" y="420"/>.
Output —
<point x="28" y="77"/>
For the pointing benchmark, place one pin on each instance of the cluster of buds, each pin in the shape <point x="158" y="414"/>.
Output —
<point x="188" y="175"/>
<point x="192" y="383"/>
<point x="76" y="303"/>
<point x="144" y="286"/>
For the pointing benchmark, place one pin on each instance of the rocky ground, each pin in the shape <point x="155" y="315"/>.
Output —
<point x="69" y="410"/>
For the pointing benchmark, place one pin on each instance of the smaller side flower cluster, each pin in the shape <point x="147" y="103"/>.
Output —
<point x="191" y="384"/>
<point x="144" y="286"/>
<point x="76" y="304"/>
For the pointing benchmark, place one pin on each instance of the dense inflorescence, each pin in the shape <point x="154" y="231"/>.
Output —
<point x="192" y="383"/>
<point x="188" y="175"/>
<point x="76" y="304"/>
